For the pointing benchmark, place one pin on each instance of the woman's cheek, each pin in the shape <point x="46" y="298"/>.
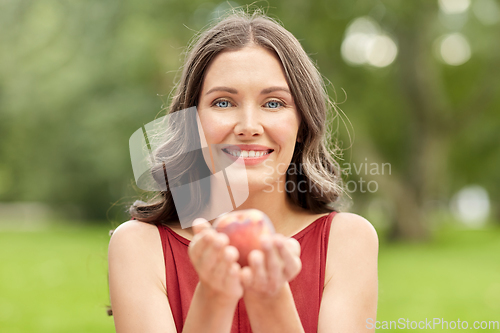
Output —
<point x="284" y="130"/>
<point x="218" y="133"/>
<point x="215" y="129"/>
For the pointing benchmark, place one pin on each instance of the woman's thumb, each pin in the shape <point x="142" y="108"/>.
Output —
<point x="200" y="224"/>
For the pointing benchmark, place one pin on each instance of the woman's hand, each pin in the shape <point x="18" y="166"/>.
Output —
<point x="215" y="261"/>
<point x="269" y="270"/>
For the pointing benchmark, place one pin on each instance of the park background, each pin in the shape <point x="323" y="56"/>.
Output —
<point x="417" y="83"/>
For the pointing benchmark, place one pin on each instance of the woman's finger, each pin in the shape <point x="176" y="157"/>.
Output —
<point x="291" y="243"/>
<point x="223" y="271"/>
<point x="295" y="243"/>
<point x="259" y="273"/>
<point x="200" y="224"/>
<point x="199" y="242"/>
<point x="201" y="228"/>
<point x="222" y="262"/>
<point x="289" y="249"/>
<point x="274" y="263"/>
<point x="212" y="254"/>
<point x="246" y="277"/>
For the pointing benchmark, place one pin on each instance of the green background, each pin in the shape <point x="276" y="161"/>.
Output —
<point x="77" y="78"/>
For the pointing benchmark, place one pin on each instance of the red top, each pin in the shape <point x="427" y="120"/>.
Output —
<point x="307" y="287"/>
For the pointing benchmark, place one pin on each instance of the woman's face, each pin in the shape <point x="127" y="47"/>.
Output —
<point x="246" y="107"/>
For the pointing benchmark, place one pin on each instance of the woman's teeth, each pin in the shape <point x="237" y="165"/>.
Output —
<point x="248" y="153"/>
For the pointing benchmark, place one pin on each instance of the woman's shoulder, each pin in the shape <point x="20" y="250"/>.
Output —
<point x="349" y="222"/>
<point x="134" y="230"/>
<point x="133" y="240"/>
<point x="352" y="231"/>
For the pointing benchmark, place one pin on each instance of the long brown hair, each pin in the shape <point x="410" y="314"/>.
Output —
<point x="313" y="159"/>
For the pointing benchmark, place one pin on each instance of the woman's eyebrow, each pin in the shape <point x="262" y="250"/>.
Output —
<point x="272" y="89"/>
<point x="226" y="89"/>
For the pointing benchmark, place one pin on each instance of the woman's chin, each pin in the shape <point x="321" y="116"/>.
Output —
<point x="260" y="185"/>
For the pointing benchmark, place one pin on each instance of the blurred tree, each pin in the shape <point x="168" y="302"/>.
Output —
<point x="417" y="114"/>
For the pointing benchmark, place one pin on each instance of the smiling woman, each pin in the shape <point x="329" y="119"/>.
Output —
<point x="261" y="103"/>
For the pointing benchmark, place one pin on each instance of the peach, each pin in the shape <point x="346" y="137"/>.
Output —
<point x="244" y="228"/>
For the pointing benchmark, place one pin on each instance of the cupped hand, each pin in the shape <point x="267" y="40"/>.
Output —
<point x="278" y="263"/>
<point x="215" y="261"/>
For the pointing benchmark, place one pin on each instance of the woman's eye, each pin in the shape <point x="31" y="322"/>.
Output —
<point x="222" y="104"/>
<point x="274" y="104"/>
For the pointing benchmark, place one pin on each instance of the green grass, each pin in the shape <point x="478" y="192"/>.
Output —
<point x="457" y="276"/>
<point x="55" y="280"/>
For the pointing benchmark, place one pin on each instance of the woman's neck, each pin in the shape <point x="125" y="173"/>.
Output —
<point x="277" y="206"/>
<point x="287" y="218"/>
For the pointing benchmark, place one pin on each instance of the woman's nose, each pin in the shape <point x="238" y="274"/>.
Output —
<point x="248" y="124"/>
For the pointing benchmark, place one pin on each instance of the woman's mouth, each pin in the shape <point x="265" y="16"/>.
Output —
<point x="248" y="153"/>
<point x="249" y="157"/>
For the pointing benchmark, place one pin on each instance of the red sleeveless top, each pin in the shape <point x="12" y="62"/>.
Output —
<point x="307" y="287"/>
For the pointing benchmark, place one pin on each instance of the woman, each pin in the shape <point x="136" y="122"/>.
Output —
<point x="254" y="87"/>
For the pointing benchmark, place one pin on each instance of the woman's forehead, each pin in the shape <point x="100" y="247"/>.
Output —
<point x="249" y="65"/>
